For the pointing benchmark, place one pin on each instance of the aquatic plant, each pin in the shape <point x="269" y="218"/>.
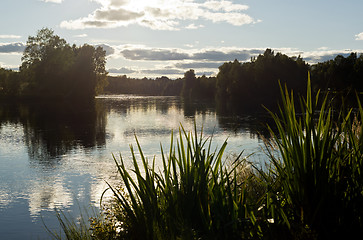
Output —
<point x="312" y="187"/>
<point x="193" y="197"/>
<point x="315" y="180"/>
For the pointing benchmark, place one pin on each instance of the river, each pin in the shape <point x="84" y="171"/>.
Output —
<point x="59" y="155"/>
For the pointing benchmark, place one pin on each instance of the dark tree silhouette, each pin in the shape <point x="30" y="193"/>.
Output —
<point x="51" y="68"/>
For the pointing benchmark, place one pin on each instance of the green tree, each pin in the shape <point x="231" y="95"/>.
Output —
<point x="254" y="83"/>
<point x="189" y="83"/>
<point x="9" y="83"/>
<point x="41" y="46"/>
<point x="52" y="68"/>
<point x="342" y="75"/>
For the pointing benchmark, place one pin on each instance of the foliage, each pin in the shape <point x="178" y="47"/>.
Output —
<point x="51" y="68"/>
<point x="312" y="189"/>
<point x="315" y="182"/>
<point x="160" y="86"/>
<point x="341" y="75"/>
<point x="256" y="82"/>
<point x="198" y="86"/>
<point x="71" y="229"/>
<point x="194" y="197"/>
<point x="9" y="83"/>
<point x="190" y="83"/>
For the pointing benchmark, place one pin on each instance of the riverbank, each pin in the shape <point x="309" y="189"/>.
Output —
<point x="312" y="188"/>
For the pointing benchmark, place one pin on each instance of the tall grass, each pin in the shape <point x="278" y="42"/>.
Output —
<point x="312" y="189"/>
<point x="315" y="182"/>
<point x="193" y="197"/>
<point x="71" y="228"/>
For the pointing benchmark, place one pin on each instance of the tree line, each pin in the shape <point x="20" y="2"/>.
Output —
<point x="51" y="68"/>
<point x="255" y="82"/>
<point x="188" y="86"/>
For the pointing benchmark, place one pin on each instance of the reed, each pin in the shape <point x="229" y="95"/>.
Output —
<point x="312" y="187"/>
<point x="315" y="180"/>
<point x="193" y="197"/>
<point x="71" y="228"/>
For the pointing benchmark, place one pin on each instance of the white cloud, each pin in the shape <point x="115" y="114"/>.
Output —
<point x="224" y="5"/>
<point x="359" y="36"/>
<point x="9" y="36"/>
<point x="53" y="1"/>
<point x="160" y="14"/>
<point x="193" y="26"/>
<point x="220" y="55"/>
<point x="81" y="35"/>
<point x="12" y="47"/>
<point x="323" y="48"/>
<point x="237" y="19"/>
<point x="205" y="59"/>
<point x="121" y="70"/>
<point x="313" y="57"/>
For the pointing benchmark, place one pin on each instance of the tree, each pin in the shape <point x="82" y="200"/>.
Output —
<point x="40" y="47"/>
<point x="99" y="58"/>
<point x="256" y="82"/>
<point x="9" y="83"/>
<point x="54" y="69"/>
<point x="189" y="83"/>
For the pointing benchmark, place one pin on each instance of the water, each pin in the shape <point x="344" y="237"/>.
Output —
<point x="59" y="155"/>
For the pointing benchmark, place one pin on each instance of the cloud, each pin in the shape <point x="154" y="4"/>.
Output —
<point x="12" y="47"/>
<point x="226" y="55"/>
<point x="174" y="54"/>
<point x="154" y="54"/>
<point x="120" y="70"/>
<point x="322" y="56"/>
<point x="163" y="71"/>
<point x="161" y="14"/>
<point x="359" y="36"/>
<point x="81" y="35"/>
<point x="52" y="1"/>
<point x="171" y="61"/>
<point x="116" y="15"/>
<point x="9" y="36"/>
<point x="236" y="19"/>
<point x="112" y="3"/>
<point x="109" y="50"/>
<point x="224" y="5"/>
<point x="193" y="65"/>
<point x="193" y="26"/>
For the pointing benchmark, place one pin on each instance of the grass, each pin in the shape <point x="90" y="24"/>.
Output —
<point x="193" y="197"/>
<point x="312" y="188"/>
<point x="315" y="182"/>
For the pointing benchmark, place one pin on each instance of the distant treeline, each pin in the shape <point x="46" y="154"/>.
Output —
<point x="343" y="76"/>
<point x="51" y="68"/>
<point x="160" y="86"/>
<point x="255" y="82"/>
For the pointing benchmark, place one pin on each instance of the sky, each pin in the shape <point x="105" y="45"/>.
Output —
<point x="154" y="38"/>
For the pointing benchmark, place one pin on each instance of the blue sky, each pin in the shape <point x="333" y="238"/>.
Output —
<point x="154" y="38"/>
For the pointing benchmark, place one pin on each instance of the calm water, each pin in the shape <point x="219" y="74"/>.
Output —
<point x="58" y="156"/>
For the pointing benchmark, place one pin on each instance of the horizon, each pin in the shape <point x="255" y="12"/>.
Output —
<point x="167" y="38"/>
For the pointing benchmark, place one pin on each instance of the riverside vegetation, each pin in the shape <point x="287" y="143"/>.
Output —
<point x="52" y="69"/>
<point x="311" y="188"/>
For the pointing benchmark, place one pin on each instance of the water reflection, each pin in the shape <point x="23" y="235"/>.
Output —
<point x="231" y="120"/>
<point x="53" y="129"/>
<point x="54" y="155"/>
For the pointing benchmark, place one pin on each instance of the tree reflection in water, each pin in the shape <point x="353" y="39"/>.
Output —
<point x="52" y="129"/>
